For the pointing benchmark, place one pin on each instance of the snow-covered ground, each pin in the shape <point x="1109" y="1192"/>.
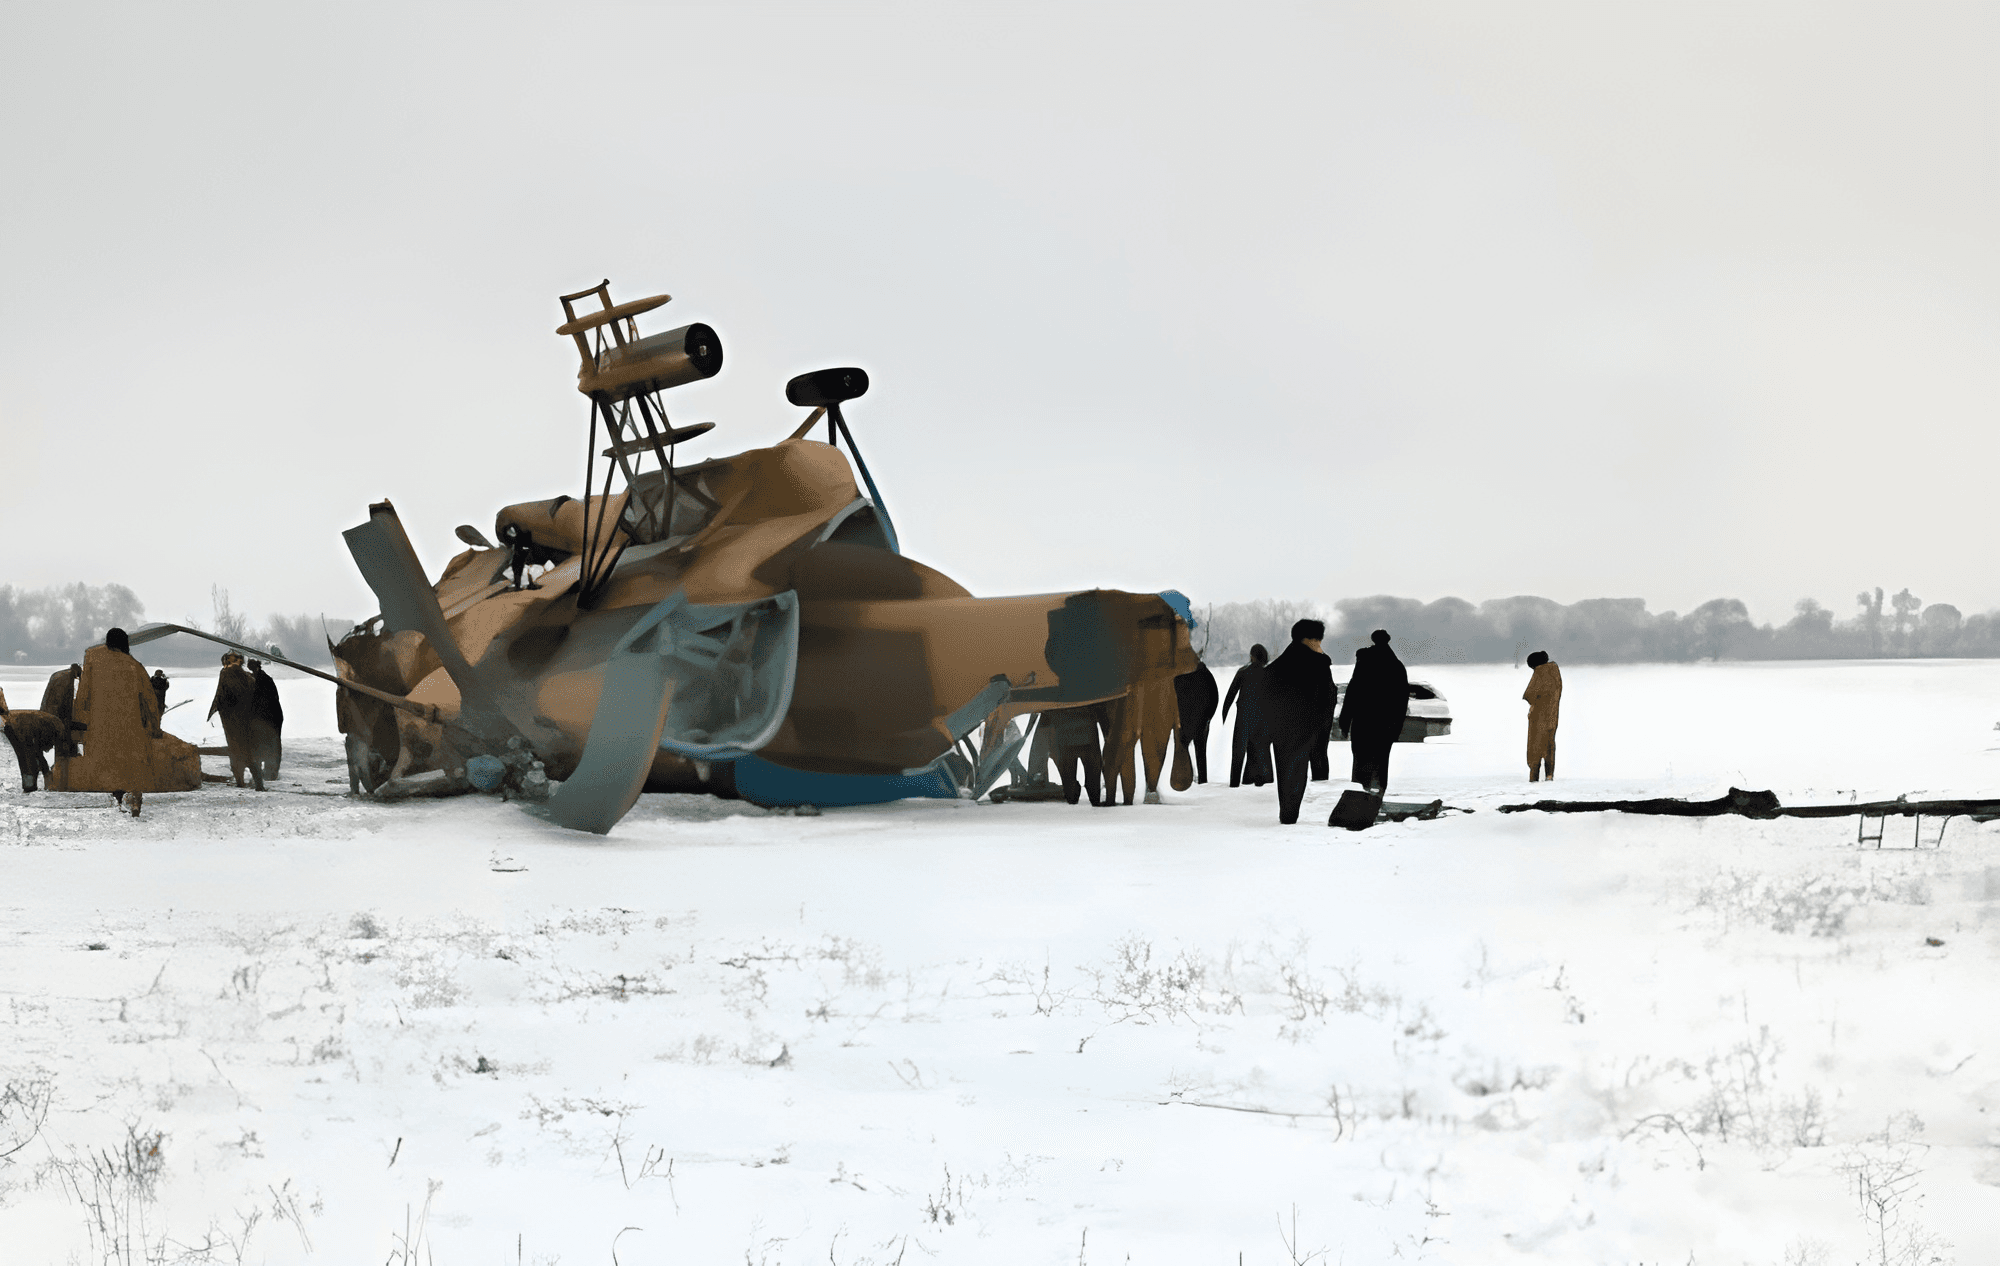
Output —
<point x="294" y="1026"/>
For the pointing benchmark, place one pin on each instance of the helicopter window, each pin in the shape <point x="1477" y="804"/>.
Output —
<point x="646" y="517"/>
<point x="861" y="526"/>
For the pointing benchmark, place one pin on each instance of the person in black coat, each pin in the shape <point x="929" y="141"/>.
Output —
<point x="1371" y="715"/>
<point x="1322" y="769"/>
<point x="1249" y="745"/>
<point x="1298" y="704"/>
<point x="268" y="722"/>
<point x="1072" y="737"/>
<point x="1195" y="693"/>
<point x="524" y="553"/>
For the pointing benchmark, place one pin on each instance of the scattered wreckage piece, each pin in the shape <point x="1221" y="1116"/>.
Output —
<point x="1765" y="805"/>
<point x="1900" y="807"/>
<point x="1749" y="804"/>
<point x="1359" y="810"/>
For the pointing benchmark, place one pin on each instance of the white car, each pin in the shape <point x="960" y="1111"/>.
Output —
<point x="1428" y="717"/>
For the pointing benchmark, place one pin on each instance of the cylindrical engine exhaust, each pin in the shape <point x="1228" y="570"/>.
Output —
<point x="689" y="354"/>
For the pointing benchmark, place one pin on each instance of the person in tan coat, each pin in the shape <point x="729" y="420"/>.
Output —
<point x="59" y="700"/>
<point x="124" y="750"/>
<point x="1544" y="695"/>
<point x="30" y="733"/>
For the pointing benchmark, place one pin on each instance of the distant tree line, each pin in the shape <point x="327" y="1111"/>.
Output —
<point x="1609" y="630"/>
<point x="54" y="625"/>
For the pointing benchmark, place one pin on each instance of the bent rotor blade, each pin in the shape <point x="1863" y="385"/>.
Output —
<point x="382" y="551"/>
<point x="153" y="632"/>
<point x="624" y="732"/>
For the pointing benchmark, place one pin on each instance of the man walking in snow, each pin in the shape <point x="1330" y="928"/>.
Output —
<point x="1544" y="695"/>
<point x="123" y="717"/>
<point x="1298" y="703"/>
<point x="1371" y="716"/>
<point x="1249" y="746"/>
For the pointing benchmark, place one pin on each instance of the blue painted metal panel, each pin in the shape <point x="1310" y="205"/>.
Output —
<point x="1182" y="607"/>
<point x="774" y="786"/>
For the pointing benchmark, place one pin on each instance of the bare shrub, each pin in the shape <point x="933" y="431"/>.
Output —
<point x="618" y="986"/>
<point x="430" y="983"/>
<point x="1306" y="997"/>
<point x="286" y="1208"/>
<point x="115" y="1186"/>
<point x="859" y="964"/>
<point x="409" y="1248"/>
<point x="1356" y="998"/>
<point x="1295" y="1253"/>
<point x="1817" y="905"/>
<point x="1015" y="980"/>
<point x="24" y="1106"/>
<point x="1802" y="1119"/>
<point x="1738" y="1086"/>
<point x="1132" y="986"/>
<point x="1740" y="1099"/>
<point x="946" y="1205"/>
<point x="1807" y="1250"/>
<point x="1885" y="1169"/>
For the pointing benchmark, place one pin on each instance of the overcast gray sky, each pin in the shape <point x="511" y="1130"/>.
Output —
<point x="1669" y="301"/>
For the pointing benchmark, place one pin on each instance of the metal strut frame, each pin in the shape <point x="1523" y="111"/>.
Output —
<point x="596" y="567"/>
<point x="627" y="435"/>
<point x="835" y="420"/>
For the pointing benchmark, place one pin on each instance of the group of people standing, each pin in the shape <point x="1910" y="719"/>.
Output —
<point x="115" y="708"/>
<point x="1288" y="708"/>
<point x="253" y="720"/>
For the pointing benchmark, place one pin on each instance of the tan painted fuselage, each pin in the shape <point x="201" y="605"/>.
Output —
<point x="888" y="648"/>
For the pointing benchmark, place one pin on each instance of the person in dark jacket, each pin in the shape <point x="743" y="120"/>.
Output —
<point x="1072" y="737"/>
<point x="1195" y="693"/>
<point x="1298" y="703"/>
<point x="159" y="680"/>
<point x="267" y="729"/>
<point x="1322" y="768"/>
<point x="58" y="699"/>
<point x="1249" y="746"/>
<point x="1371" y="715"/>
<point x="523" y="555"/>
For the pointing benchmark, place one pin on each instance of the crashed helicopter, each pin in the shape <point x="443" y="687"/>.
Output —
<point x="746" y="625"/>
